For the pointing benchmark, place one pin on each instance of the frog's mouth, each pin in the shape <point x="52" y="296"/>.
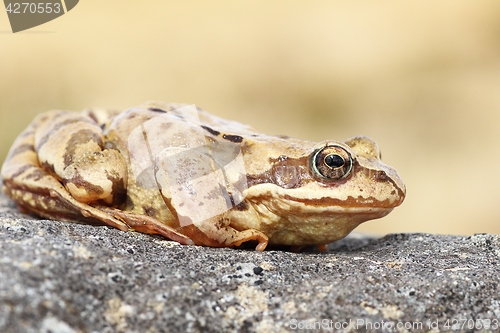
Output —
<point x="309" y="202"/>
<point x="349" y="204"/>
<point x="329" y="208"/>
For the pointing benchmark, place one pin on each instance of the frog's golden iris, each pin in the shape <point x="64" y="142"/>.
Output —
<point x="332" y="162"/>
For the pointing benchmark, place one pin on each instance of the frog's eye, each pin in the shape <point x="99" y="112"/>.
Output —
<point x="332" y="162"/>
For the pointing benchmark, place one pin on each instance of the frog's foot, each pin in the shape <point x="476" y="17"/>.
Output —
<point x="35" y="190"/>
<point x="147" y="224"/>
<point x="60" y="205"/>
<point x="252" y="234"/>
<point x="216" y="235"/>
<point x="34" y="187"/>
<point x="240" y="237"/>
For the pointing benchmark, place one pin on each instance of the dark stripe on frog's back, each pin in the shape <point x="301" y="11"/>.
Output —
<point x="82" y="136"/>
<point x="157" y="110"/>
<point x="210" y="130"/>
<point x="58" y="126"/>
<point x="26" y="133"/>
<point x="233" y="138"/>
<point x="228" y="137"/>
<point x="36" y="174"/>
<point x="22" y="170"/>
<point x="20" y="149"/>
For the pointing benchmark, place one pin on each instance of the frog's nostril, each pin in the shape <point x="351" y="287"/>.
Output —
<point x="380" y="176"/>
<point x="376" y="175"/>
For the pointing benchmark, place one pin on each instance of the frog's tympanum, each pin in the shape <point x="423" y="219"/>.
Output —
<point x="194" y="178"/>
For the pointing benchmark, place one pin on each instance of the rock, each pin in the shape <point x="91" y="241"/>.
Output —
<point x="63" y="277"/>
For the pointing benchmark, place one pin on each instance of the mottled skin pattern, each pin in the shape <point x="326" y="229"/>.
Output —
<point x="77" y="167"/>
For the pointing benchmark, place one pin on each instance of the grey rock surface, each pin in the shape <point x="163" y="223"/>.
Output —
<point x="63" y="277"/>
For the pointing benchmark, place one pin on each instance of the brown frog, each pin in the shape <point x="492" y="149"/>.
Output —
<point x="195" y="178"/>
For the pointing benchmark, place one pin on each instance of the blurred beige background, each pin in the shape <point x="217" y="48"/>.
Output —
<point x="421" y="78"/>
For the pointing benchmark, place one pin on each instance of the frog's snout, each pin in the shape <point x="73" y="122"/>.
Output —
<point x="387" y="186"/>
<point x="389" y="175"/>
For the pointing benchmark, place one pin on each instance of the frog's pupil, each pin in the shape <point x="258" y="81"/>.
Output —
<point x="334" y="161"/>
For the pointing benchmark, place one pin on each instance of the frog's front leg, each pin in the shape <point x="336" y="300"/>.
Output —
<point x="216" y="232"/>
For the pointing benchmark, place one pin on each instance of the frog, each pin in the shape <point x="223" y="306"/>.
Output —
<point x="195" y="178"/>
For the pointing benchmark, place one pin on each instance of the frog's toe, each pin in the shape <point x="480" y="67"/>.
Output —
<point x="252" y="235"/>
<point x="215" y="235"/>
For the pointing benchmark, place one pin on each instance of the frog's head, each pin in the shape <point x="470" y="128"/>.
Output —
<point x="320" y="194"/>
